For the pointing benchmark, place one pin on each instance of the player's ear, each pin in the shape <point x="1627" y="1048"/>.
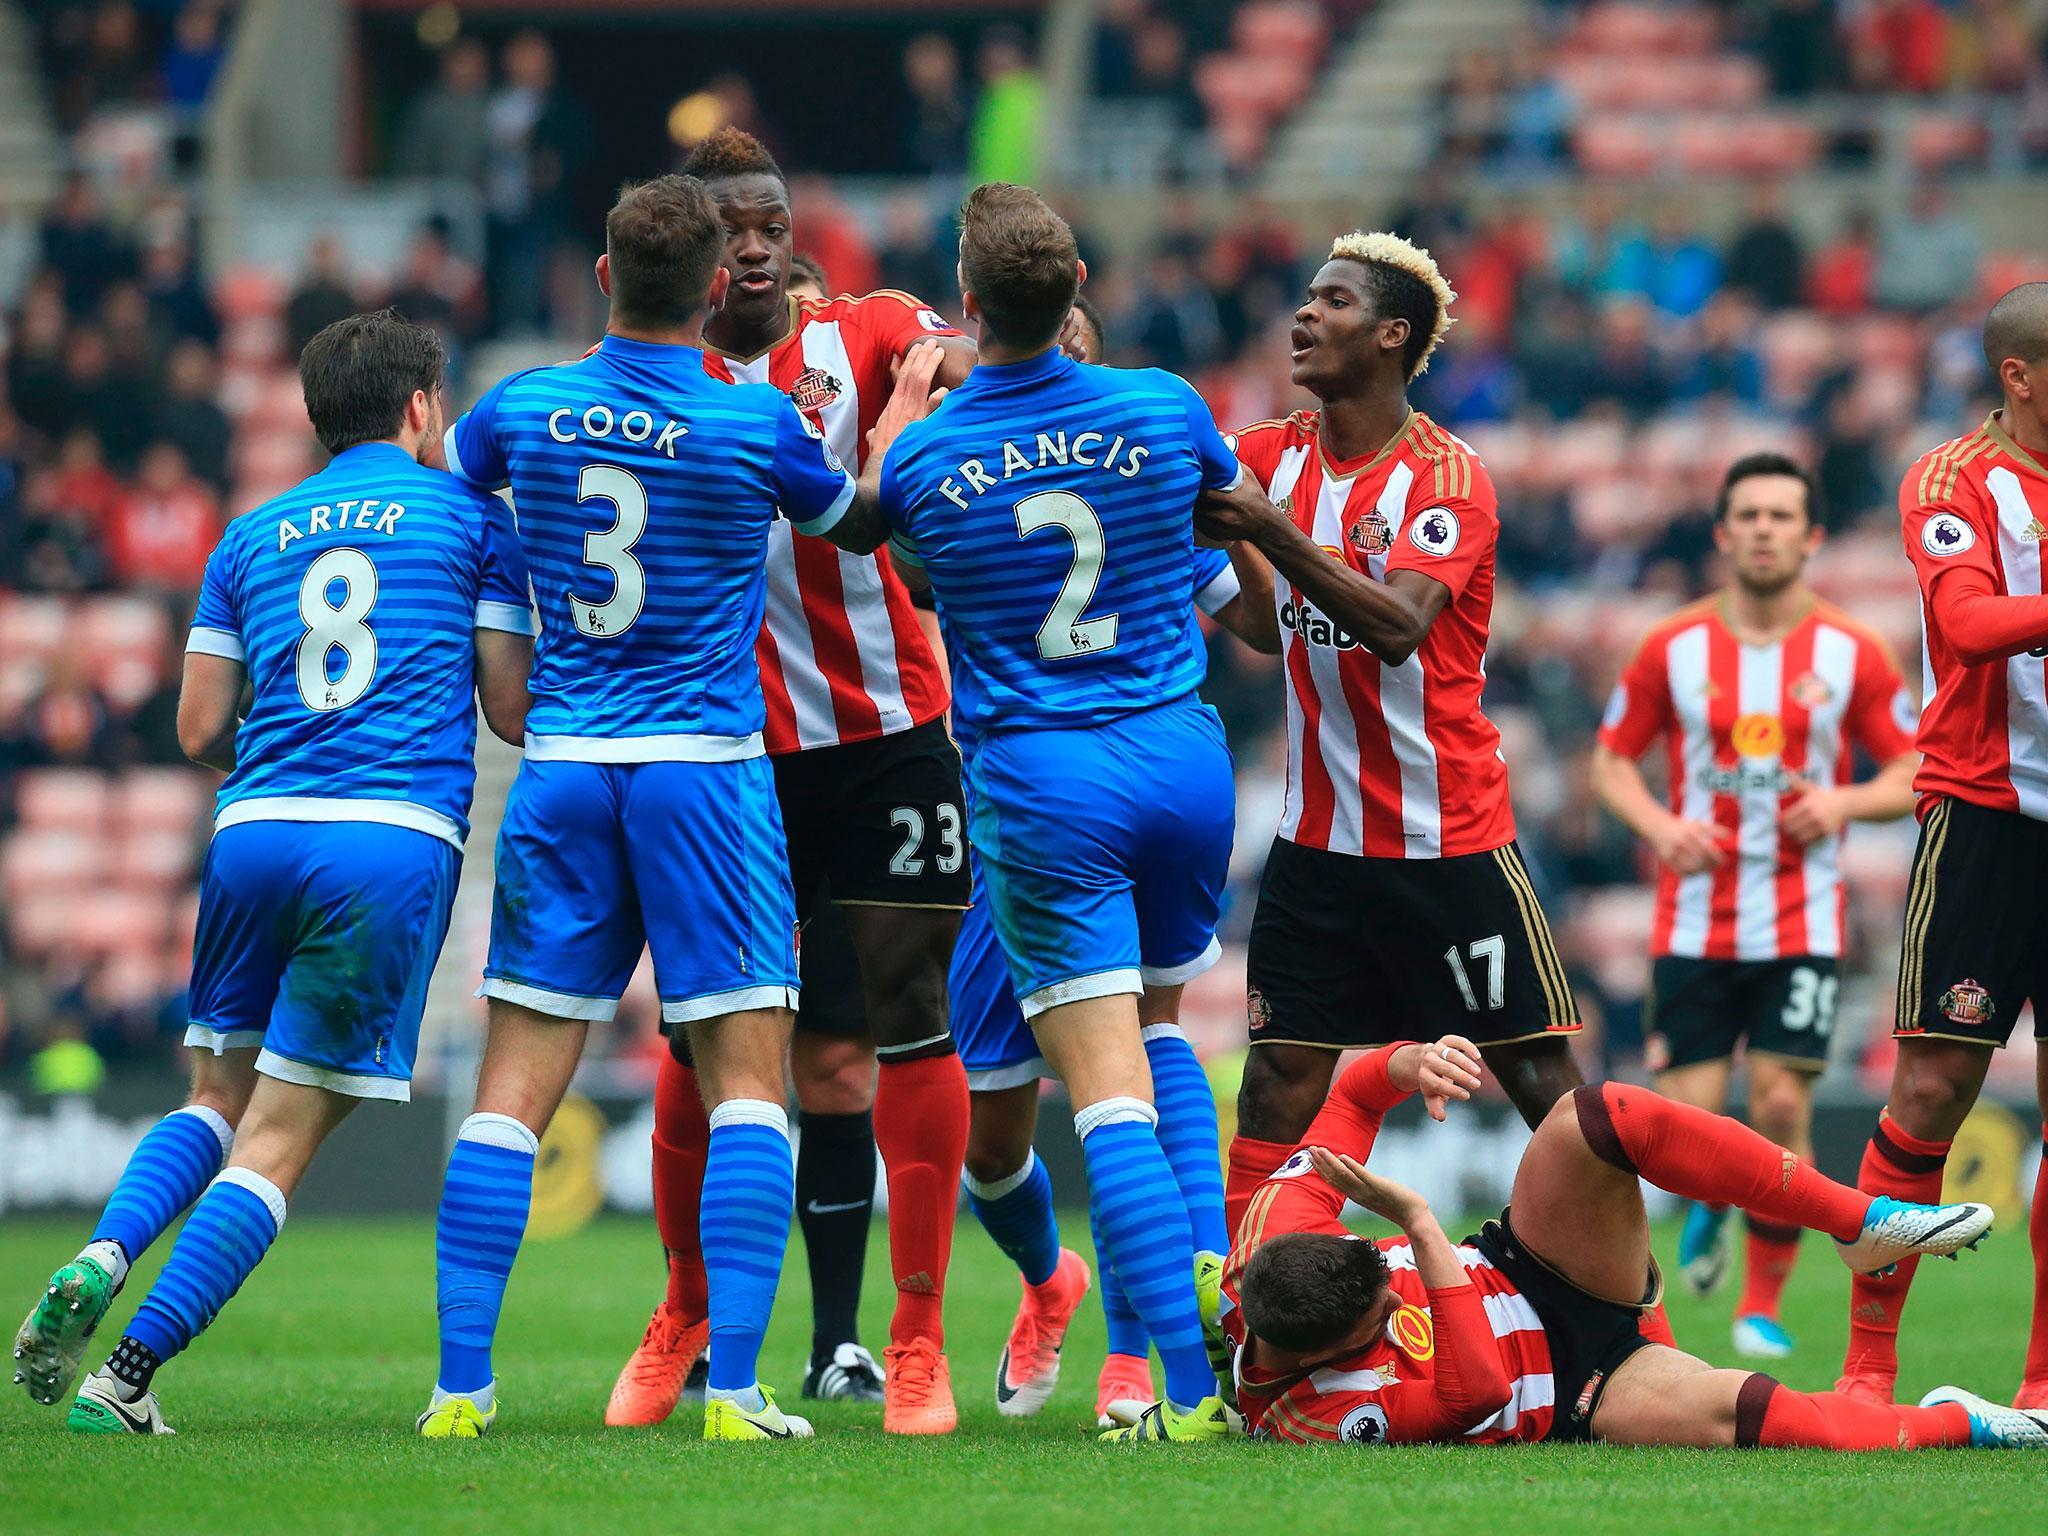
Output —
<point x="604" y="274"/>
<point x="721" y="284"/>
<point x="970" y="306"/>
<point x="1393" y="334"/>
<point x="1081" y="274"/>
<point x="419" y="413"/>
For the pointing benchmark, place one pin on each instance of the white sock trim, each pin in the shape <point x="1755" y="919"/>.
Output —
<point x="213" y="1120"/>
<point x="1119" y="1111"/>
<point x="998" y="1188"/>
<point x="752" y="1112"/>
<point x="259" y="1186"/>
<point x="483" y="1396"/>
<point x="1161" y="1031"/>
<point x="499" y="1131"/>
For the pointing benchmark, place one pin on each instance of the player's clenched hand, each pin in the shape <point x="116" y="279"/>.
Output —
<point x="1073" y="337"/>
<point x="1817" y="813"/>
<point x="1691" y="847"/>
<point x="913" y="399"/>
<point x="1356" y="1182"/>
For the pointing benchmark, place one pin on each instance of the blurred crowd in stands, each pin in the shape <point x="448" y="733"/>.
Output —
<point x="1612" y="354"/>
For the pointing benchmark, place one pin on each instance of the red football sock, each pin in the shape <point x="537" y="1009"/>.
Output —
<point x="1906" y="1168"/>
<point x="1769" y="1252"/>
<point x="1768" y="1413"/>
<point x="1250" y="1161"/>
<point x="1656" y="1327"/>
<point x="2037" y="1233"/>
<point x="1705" y="1156"/>
<point x="921" y="1129"/>
<point x="682" y="1140"/>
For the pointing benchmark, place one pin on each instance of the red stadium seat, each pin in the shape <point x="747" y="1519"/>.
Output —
<point x="69" y="800"/>
<point x="163" y="800"/>
<point x="1617" y="146"/>
<point x="249" y="292"/>
<point x="32" y="628"/>
<point x="34" y="865"/>
<point x="155" y="862"/>
<point x="109" y="922"/>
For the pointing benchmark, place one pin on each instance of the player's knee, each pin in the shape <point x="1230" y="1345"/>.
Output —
<point x="905" y="987"/>
<point x="1781" y="1110"/>
<point x="993" y="1155"/>
<point x="835" y="1078"/>
<point x="1281" y="1092"/>
<point x="1931" y="1095"/>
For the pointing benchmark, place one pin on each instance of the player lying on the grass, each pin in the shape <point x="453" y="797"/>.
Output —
<point x="1533" y="1329"/>
<point x="1007" y="1185"/>
<point x="368" y="607"/>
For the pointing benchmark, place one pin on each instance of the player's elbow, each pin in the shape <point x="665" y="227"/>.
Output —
<point x="204" y="739"/>
<point x="505" y="714"/>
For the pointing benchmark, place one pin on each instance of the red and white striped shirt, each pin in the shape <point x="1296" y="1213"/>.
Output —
<point x="1975" y="514"/>
<point x="842" y="655"/>
<point x="1388" y="761"/>
<point x="1746" y="726"/>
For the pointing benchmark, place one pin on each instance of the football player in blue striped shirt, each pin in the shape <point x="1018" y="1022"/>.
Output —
<point x="644" y="815"/>
<point x="368" y="608"/>
<point x="1051" y="505"/>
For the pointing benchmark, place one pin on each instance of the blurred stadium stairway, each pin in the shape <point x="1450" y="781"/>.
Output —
<point x="29" y="151"/>
<point x="1371" y="117"/>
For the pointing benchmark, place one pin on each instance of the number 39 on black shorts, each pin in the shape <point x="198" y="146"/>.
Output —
<point x="1348" y="951"/>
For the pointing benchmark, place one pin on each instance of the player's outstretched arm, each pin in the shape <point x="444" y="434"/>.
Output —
<point x="504" y="663"/>
<point x="208" y="702"/>
<point x="864" y="527"/>
<point x="1391" y="618"/>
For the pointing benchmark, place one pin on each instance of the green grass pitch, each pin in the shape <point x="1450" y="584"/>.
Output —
<point x="295" y="1414"/>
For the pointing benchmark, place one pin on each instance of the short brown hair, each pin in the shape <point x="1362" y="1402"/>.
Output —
<point x="360" y="373"/>
<point x="1019" y="260"/>
<point x="665" y="241"/>
<point x="1305" y="1290"/>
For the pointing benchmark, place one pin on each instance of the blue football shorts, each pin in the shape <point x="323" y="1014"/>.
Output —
<point x="1105" y="850"/>
<point x="315" y="943"/>
<point x="598" y="861"/>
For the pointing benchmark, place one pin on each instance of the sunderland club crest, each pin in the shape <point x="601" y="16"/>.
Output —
<point x="1371" y="535"/>
<point x="814" y="389"/>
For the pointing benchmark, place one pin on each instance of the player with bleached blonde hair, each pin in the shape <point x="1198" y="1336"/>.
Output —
<point x="1394" y="902"/>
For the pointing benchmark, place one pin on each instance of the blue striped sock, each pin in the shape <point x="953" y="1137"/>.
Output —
<point x="1139" y="1213"/>
<point x="1187" y="1133"/>
<point x="166" y="1172"/>
<point x="1017" y="1211"/>
<point x="229" y="1231"/>
<point x="476" y="1238"/>
<point x="749" y="1184"/>
<point x="1127" y="1335"/>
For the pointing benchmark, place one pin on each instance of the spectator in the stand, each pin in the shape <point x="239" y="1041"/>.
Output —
<point x="152" y="728"/>
<point x="1003" y="136"/>
<point x="446" y="131"/>
<point x="82" y="247"/>
<point x="935" y="139"/>
<point x="1160" y="72"/>
<point x="912" y="256"/>
<point x="832" y="236"/>
<point x="191" y="417"/>
<point x="114" y="403"/>
<point x="324" y="295"/>
<point x="1848" y="471"/>
<point x="80" y="485"/>
<point x="1992" y="45"/>
<point x="1627" y="371"/>
<point x="1116" y="45"/>
<point x="20" y="251"/>
<point x="441" y="290"/>
<point x="193" y="56"/>
<point x="1839" y="281"/>
<point x="1174" y="323"/>
<point x="1797" y="42"/>
<point x="1671" y="265"/>
<point x="120" y="65"/>
<point x="1474" y="383"/>
<point x="1765" y="259"/>
<point x="134" y="344"/>
<point x="1725" y="364"/>
<point x="1539" y="110"/>
<point x="162" y="530"/>
<point x="1901" y="45"/>
<point x="1556" y="365"/>
<point x="177" y="297"/>
<point x="1586" y="245"/>
<point x="67" y="724"/>
<point x="539" y="138"/>
<point x="35" y="357"/>
<point x="1926" y="255"/>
